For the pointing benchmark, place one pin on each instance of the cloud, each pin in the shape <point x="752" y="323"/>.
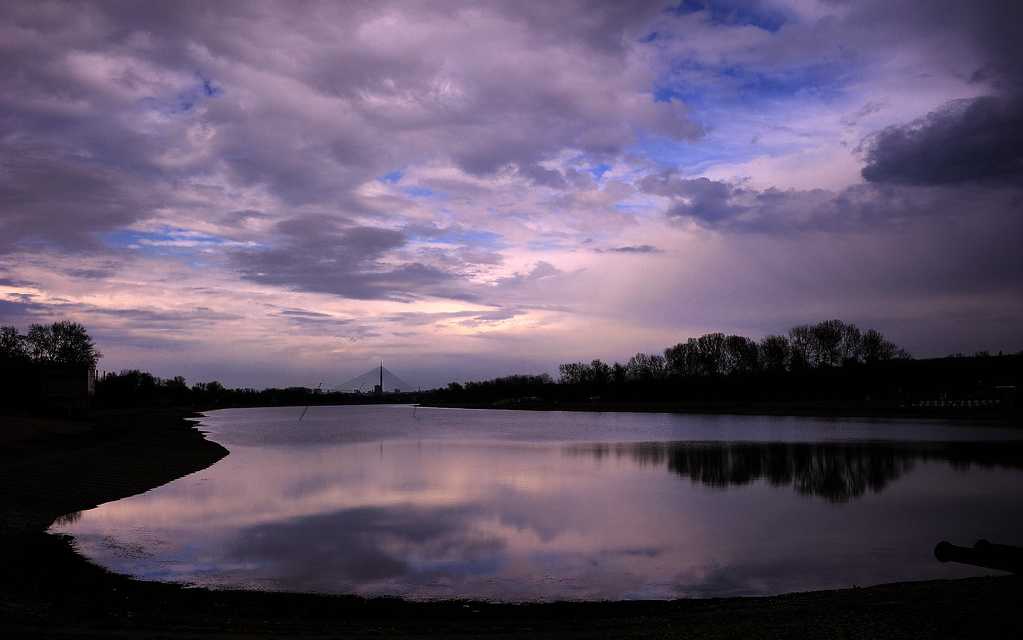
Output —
<point x="13" y="282"/>
<point x="363" y="546"/>
<point x="965" y="140"/>
<point x="541" y="270"/>
<point x="864" y="208"/>
<point x="491" y="163"/>
<point x="18" y="312"/>
<point x="631" y="248"/>
<point x="322" y="254"/>
<point x="51" y="196"/>
<point x="707" y="200"/>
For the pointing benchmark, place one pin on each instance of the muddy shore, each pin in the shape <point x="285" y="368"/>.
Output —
<point x="46" y="589"/>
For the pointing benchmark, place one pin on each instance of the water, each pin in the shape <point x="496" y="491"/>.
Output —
<point x="515" y="506"/>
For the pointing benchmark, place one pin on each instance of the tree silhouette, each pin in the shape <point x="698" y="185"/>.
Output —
<point x="12" y="345"/>
<point x="774" y="354"/>
<point x="645" y="367"/>
<point x="874" y="347"/>
<point x="63" y="342"/>
<point x="741" y="356"/>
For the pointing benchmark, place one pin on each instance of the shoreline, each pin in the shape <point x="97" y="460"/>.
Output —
<point x="987" y="418"/>
<point x="49" y="589"/>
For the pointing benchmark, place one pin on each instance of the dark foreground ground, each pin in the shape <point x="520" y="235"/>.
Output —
<point x="47" y="590"/>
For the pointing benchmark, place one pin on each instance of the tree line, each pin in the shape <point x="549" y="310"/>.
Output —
<point x="827" y="344"/>
<point x="28" y="362"/>
<point x="830" y="366"/>
<point x="134" y="388"/>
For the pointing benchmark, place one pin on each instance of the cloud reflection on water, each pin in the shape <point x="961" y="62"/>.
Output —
<point x="432" y="514"/>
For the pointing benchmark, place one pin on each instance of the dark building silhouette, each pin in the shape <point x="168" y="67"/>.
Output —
<point x="60" y="388"/>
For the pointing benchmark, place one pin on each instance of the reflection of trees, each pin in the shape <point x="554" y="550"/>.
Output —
<point x="836" y="472"/>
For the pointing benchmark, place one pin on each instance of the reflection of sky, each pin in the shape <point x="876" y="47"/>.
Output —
<point x="489" y="516"/>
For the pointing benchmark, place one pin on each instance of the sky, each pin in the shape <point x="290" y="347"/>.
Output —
<point x="286" y="193"/>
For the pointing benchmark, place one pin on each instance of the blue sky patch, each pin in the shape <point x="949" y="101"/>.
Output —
<point x="186" y="100"/>
<point x="456" y="235"/>
<point x="421" y="192"/>
<point x="693" y="157"/>
<point x="598" y="170"/>
<point x="705" y="87"/>
<point x="734" y="13"/>
<point x="166" y="242"/>
<point x="736" y="103"/>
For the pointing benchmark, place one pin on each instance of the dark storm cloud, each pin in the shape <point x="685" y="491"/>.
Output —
<point x="318" y="253"/>
<point x="865" y="208"/>
<point x="966" y="140"/>
<point x="702" y="198"/>
<point x="978" y="139"/>
<point x="723" y="205"/>
<point x="871" y="242"/>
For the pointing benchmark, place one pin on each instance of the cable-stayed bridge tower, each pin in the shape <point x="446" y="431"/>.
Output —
<point x="377" y="380"/>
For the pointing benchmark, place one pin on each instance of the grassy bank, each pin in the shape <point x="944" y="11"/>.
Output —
<point x="48" y="590"/>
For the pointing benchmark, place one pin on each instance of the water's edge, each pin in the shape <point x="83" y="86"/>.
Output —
<point x="46" y="585"/>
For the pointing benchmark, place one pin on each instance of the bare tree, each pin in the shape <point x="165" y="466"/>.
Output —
<point x="774" y="353"/>
<point x="62" y="342"/>
<point x="874" y="347"/>
<point x="645" y="367"/>
<point x="740" y="356"/>
<point x="827" y="343"/>
<point x="12" y="345"/>
<point x="801" y="347"/>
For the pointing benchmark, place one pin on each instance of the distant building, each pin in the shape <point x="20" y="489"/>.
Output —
<point x="47" y="387"/>
<point x="69" y="387"/>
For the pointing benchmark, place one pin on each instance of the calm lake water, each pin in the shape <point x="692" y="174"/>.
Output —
<point x="513" y="506"/>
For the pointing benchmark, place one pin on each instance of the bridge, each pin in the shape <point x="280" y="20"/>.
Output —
<point x="376" y="380"/>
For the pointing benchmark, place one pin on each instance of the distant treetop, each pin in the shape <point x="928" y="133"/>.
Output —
<point x="831" y="343"/>
<point x="63" y="342"/>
